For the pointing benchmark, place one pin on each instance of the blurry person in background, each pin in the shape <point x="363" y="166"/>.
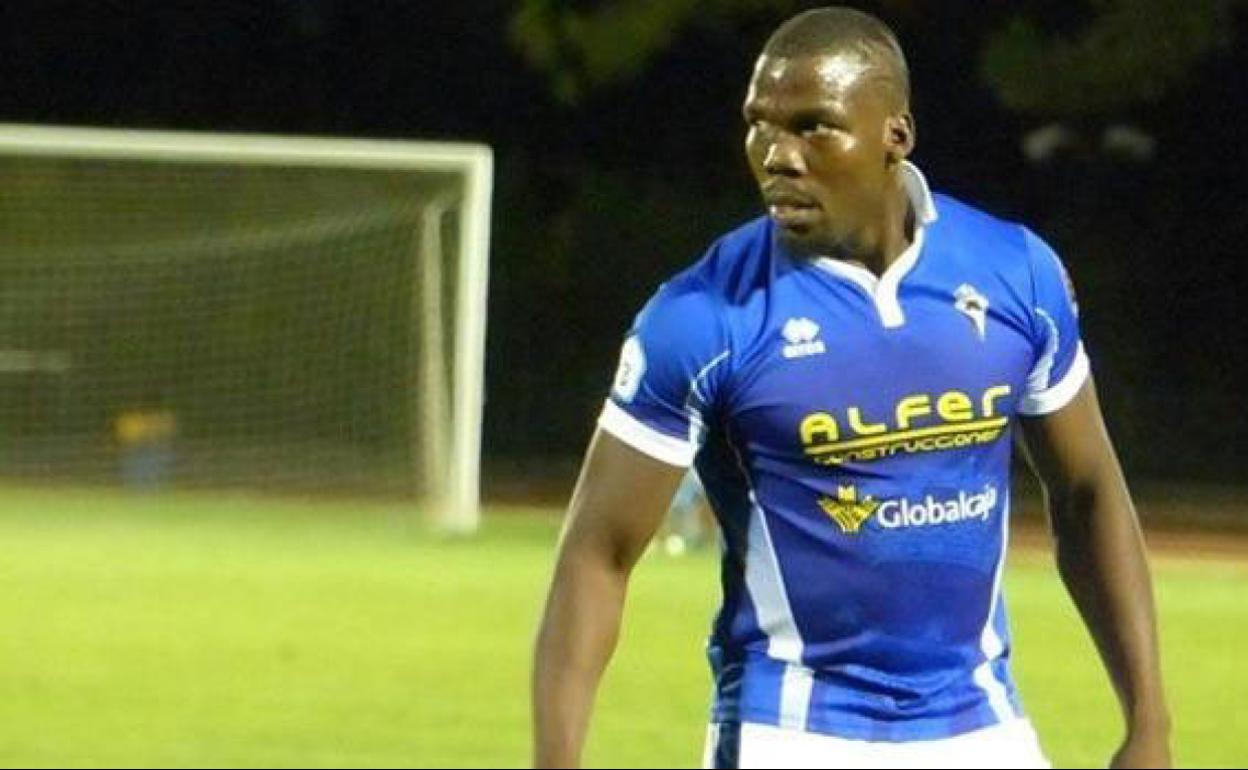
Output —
<point x="145" y="440"/>
<point x="689" y="524"/>
<point x="848" y="374"/>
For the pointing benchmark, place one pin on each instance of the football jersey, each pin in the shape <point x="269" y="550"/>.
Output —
<point x="853" y="435"/>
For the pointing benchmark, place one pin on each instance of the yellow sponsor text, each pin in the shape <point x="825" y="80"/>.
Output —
<point x="918" y="422"/>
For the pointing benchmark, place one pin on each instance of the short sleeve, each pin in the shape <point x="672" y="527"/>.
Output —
<point x="1061" y="365"/>
<point x="672" y="364"/>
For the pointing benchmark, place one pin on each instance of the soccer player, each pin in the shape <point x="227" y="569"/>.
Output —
<point x="846" y="375"/>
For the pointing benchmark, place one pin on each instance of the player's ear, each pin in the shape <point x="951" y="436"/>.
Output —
<point x="898" y="137"/>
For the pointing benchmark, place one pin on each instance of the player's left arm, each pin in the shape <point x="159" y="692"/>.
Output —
<point x="1101" y="558"/>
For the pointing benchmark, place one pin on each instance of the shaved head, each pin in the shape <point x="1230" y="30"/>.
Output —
<point x="846" y="33"/>
<point x="828" y="111"/>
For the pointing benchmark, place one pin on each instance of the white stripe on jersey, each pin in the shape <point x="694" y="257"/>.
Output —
<point x="990" y="641"/>
<point x="1061" y="393"/>
<point x="695" y="402"/>
<point x="775" y="619"/>
<point x="643" y="438"/>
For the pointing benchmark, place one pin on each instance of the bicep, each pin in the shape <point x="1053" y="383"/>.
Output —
<point x="619" y="501"/>
<point x="1070" y="447"/>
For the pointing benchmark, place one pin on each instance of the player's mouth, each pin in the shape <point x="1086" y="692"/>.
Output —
<point x="791" y="210"/>
<point x="793" y="216"/>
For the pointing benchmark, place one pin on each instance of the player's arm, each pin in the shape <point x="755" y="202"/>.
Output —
<point x="1101" y="558"/>
<point x="618" y="504"/>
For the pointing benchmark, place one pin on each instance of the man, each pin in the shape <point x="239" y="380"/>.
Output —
<point x="689" y="520"/>
<point x="846" y="374"/>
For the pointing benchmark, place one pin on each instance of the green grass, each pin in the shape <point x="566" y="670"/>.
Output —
<point x="229" y="631"/>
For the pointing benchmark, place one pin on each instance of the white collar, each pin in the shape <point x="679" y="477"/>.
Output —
<point x="883" y="289"/>
<point x="919" y="193"/>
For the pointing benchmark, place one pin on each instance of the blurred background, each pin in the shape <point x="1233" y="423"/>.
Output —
<point x="1114" y="128"/>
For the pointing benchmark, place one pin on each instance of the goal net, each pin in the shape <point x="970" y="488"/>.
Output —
<point x="217" y="311"/>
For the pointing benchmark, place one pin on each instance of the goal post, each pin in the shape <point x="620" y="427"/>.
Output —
<point x="290" y="222"/>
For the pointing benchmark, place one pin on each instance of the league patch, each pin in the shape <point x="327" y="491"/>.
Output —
<point x="630" y="371"/>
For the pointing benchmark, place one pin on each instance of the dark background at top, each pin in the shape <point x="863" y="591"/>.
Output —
<point x="595" y="205"/>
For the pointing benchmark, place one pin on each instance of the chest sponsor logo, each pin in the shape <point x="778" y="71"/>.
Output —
<point x="850" y="512"/>
<point x="933" y="511"/>
<point x="847" y="510"/>
<point x="801" y="339"/>
<point x="920" y="422"/>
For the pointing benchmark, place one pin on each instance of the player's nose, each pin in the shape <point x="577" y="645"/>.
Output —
<point x="784" y="157"/>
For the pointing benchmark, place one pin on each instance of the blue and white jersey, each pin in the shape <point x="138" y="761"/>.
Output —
<point x="853" y="436"/>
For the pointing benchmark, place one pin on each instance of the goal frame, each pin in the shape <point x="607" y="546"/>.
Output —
<point x="460" y="510"/>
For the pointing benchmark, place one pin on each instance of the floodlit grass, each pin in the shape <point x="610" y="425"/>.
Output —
<point x="215" y="630"/>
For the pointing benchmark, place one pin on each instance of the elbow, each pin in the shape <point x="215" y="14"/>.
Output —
<point x="1076" y="500"/>
<point x="587" y="559"/>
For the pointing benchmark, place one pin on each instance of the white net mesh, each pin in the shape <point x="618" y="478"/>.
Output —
<point x="216" y="324"/>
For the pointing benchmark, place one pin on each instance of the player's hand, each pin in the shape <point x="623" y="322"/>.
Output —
<point x="1143" y="750"/>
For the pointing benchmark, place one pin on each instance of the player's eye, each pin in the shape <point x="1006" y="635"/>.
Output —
<point x="814" y="127"/>
<point x="759" y="130"/>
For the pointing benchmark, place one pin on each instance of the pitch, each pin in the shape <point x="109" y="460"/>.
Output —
<point x="218" y="630"/>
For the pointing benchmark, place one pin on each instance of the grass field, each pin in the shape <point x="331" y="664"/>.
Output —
<point x="229" y="631"/>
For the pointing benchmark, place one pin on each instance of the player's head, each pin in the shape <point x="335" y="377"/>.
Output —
<point x="828" y="111"/>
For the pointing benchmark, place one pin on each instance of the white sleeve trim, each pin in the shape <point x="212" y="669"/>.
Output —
<point x="1059" y="395"/>
<point x="643" y="438"/>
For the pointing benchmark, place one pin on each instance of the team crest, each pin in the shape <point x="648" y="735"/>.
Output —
<point x="973" y="305"/>
<point x="847" y="510"/>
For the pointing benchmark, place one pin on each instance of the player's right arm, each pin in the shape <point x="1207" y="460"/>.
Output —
<point x="671" y="369"/>
<point x="619" y="502"/>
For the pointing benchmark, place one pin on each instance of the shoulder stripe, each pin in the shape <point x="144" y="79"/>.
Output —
<point x="1058" y="395"/>
<point x="643" y="438"/>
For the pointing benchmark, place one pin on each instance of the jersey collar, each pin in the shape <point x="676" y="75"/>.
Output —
<point x="883" y="289"/>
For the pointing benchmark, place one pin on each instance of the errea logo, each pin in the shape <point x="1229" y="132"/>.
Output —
<point x="800" y="338"/>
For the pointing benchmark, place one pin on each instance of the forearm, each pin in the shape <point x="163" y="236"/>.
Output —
<point x="1101" y="557"/>
<point x="577" y="636"/>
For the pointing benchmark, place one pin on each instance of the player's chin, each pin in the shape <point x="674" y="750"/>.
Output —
<point x="803" y="239"/>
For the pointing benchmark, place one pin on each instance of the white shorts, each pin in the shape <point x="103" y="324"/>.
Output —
<point x="1007" y="745"/>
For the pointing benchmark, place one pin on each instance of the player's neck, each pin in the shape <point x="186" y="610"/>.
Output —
<point x="886" y="244"/>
